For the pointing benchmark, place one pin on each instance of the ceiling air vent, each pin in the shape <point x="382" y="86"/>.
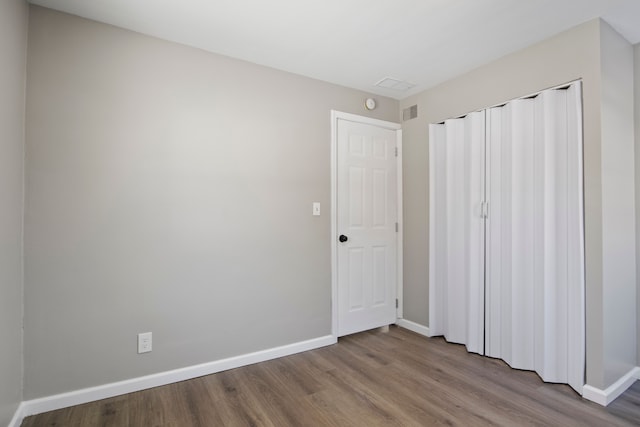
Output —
<point x="410" y="113"/>
<point x="395" y="84"/>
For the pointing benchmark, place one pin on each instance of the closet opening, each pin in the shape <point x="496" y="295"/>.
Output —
<point x="506" y="223"/>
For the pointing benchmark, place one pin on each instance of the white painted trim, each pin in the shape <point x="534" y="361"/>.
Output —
<point x="414" y="327"/>
<point x="18" y="417"/>
<point x="334" y="214"/>
<point x="400" y="257"/>
<point x="364" y="120"/>
<point x="77" y="397"/>
<point x="604" y="397"/>
<point x="335" y="116"/>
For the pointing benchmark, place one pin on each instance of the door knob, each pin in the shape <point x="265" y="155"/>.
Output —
<point x="343" y="238"/>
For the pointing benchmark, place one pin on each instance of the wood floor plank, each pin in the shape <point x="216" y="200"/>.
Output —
<point x="375" y="378"/>
<point x="194" y="393"/>
<point x="383" y="386"/>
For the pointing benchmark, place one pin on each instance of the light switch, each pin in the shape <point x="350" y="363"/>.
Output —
<point x="316" y="208"/>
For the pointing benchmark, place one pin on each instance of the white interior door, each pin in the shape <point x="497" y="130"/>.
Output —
<point x="366" y="225"/>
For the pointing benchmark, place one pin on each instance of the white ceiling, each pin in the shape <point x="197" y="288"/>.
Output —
<point x="356" y="43"/>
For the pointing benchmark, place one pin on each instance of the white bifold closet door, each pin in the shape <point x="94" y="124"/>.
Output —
<point x="530" y="296"/>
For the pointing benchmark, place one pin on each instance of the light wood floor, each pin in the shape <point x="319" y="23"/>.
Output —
<point x="368" y="379"/>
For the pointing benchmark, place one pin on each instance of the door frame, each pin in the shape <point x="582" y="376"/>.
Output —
<point x="397" y="127"/>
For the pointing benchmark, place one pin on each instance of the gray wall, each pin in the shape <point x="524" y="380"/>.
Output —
<point x="637" y="165"/>
<point x="618" y="205"/>
<point x="568" y="56"/>
<point x="169" y="190"/>
<point x="13" y="51"/>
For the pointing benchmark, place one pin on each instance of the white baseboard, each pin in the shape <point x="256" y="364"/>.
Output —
<point x="16" y="421"/>
<point x="413" y="326"/>
<point x="77" y="397"/>
<point x="608" y="395"/>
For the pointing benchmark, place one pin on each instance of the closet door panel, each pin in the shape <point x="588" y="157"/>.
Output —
<point x="522" y="221"/>
<point x="498" y="238"/>
<point x="456" y="194"/>
<point x="457" y="231"/>
<point x="575" y="234"/>
<point x="512" y="252"/>
<point x="551" y="297"/>
<point x="475" y="229"/>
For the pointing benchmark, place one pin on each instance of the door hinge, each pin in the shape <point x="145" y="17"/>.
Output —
<point x="396" y="302"/>
<point x="396" y="151"/>
<point x="397" y="227"/>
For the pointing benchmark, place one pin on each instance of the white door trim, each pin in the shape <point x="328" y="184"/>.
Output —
<point x="397" y="127"/>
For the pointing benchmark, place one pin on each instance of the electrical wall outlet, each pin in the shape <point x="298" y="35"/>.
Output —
<point x="144" y="342"/>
